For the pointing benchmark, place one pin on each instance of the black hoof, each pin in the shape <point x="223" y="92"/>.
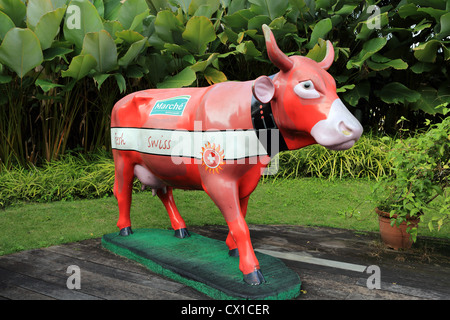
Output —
<point x="182" y="233"/>
<point x="255" y="278"/>
<point x="125" y="231"/>
<point x="233" y="252"/>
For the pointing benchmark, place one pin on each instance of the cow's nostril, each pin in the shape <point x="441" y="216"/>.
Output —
<point x="344" y="129"/>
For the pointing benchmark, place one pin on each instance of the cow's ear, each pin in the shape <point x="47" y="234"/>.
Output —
<point x="263" y="89"/>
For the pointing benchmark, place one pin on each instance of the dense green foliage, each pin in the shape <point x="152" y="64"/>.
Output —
<point x="64" y="63"/>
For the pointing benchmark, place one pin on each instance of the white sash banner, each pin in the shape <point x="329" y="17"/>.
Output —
<point x="232" y="144"/>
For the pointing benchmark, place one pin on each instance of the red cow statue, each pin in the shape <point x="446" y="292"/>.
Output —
<point x="217" y="139"/>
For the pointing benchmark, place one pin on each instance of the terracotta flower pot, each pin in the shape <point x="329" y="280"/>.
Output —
<point x="395" y="236"/>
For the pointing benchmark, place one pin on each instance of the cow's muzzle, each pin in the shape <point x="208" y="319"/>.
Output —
<point x="340" y="130"/>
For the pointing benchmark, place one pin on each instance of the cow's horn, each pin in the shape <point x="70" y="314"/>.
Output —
<point x="329" y="57"/>
<point x="277" y="57"/>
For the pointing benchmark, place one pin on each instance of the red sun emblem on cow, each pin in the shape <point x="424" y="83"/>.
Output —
<point x="212" y="157"/>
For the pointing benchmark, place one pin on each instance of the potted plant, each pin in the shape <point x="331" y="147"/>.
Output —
<point x="420" y="175"/>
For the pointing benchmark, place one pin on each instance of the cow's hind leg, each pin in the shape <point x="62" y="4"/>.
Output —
<point x="176" y="220"/>
<point x="228" y="201"/>
<point x="232" y="246"/>
<point x="148" y="179"/>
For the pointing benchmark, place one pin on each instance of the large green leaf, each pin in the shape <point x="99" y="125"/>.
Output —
<point x="183" y="4"/>
<point x="134" y="50"/>
<point x="412" y="11"/>
<point x="398" y="64"/>
<point x="378" y="63"/>
<point x="346" y="9"/>
<point x="445" y="26"/>
<point x="431" y="98"/>
<point x="421" y="67"/>
<point x="37" y="8"/>
<point x="111" y="9"/>
<point x="318" y="52"/>
<point x="258" y="21"/>
<point x="60" y="3"/>
<point x="81" y="17"/>
<point x="158" y="66"/>
<point x="369" y="48"/>
<point x="212" y="75"/>
<point x="249" y="49"/>
<point x="320" y="30"/>
<point x="299" y="4"/>
<point x="324" y="4"/>
<point x="80" y="66"/>
<point x="435" y="13"/>
<point x="15" y="9"/>
<point x="427" y="52"/>
<point x="199" y="32"/>
<point x="100" y="78"/>
<point x="112" y="27"/>
<point x="157" y="5"/>
<point x="98" y="4"/>
<point x="5" y="79"/>
<point x="102" y="47"/>
<point x="52" y="53"/>
<point x="121" y="83"/>
<point x="21" y="51"/>
<point x="177" y="49"/>
<point x="239" y="19"/>
<point x="129" y="36"/>
<point x="46" y="85"/>
<point x="183" y="79"/>
<point x="131" y="10"/>
<point x="200" y="66"/>
<point x="204" y="8"/>
<point x="236" y="5"/>
<point x="396" y="92"/>
<point x="366" y="28"/>
<point x="167" y="27"/>
<point x="360" y="91"/>
<point x="6" y="24"/>
<point x="48" y="27"/>
<point x="272" y="9"/>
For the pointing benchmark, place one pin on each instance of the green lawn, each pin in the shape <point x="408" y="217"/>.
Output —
<point x="306" y="202"/>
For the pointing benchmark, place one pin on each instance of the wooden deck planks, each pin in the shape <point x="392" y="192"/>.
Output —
<point x="42" y="274"/>
<point x="423" y="273"/>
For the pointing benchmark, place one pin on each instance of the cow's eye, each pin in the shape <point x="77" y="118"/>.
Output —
<point x="306" y="90"/>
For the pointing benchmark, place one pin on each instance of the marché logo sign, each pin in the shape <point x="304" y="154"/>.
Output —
<point x="171" y="107"/>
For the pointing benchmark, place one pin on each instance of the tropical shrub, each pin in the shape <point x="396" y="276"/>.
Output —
<point x="63" y="63"/>
<point x="368" y="159"/>
<point x="68" y="178"/>
<point x="421" y="174"/>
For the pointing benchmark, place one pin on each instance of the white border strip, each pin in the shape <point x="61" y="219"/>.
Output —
<point x="318" y="261"/>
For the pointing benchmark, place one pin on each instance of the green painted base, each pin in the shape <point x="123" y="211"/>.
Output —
<point x="203" y="264"/>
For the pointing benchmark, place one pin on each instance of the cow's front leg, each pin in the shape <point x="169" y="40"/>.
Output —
<point x="226" y="197"/>
<point x="123" y="185"/>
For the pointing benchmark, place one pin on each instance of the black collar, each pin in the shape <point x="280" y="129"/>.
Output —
<point x="266" y="127"/>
